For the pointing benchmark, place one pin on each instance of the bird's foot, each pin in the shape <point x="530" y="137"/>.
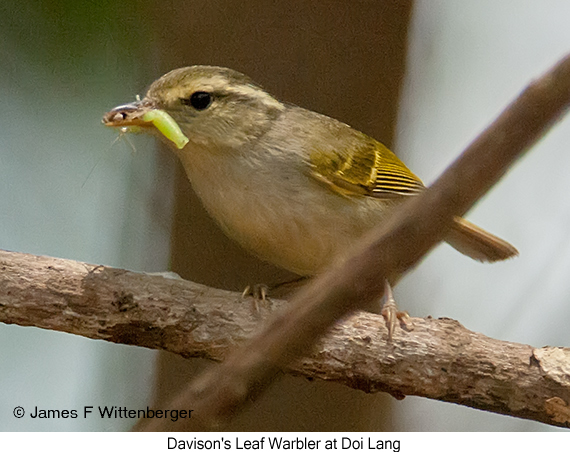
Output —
<point x="391" y="313"/>
<point x="258" y="293"/>
<point x="277" y="290"/>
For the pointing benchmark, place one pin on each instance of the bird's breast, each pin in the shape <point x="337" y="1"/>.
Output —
<point x="285" y="218"/>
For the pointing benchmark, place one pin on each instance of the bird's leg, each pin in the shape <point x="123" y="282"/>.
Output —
<point x="391" y="313"/>
<point x="260" y="292"/>
<point x="257" y="291"/>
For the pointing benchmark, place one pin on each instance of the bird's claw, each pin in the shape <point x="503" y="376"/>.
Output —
<point x="391" y="313"/>
<point x="258" y="292"/>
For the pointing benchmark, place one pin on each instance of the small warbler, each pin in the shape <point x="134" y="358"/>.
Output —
<point x="292" y="186"/>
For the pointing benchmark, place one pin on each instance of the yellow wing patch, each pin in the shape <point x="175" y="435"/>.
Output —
<point x="393" y="177"/>
<point x="371" y="170"/>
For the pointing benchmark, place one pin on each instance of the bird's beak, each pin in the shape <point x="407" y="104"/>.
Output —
<point x="129" y="115"/>
<point x="145" y="116"/>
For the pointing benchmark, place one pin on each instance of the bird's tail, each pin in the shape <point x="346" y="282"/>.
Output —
<point x="477" y="243"/>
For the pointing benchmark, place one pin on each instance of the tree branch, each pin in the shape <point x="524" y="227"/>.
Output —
<point x="437" y="359"/>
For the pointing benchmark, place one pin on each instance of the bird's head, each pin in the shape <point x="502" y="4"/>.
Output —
<point x="206" y="106"/>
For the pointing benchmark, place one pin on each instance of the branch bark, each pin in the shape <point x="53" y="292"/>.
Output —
<point x="437" y="359"/>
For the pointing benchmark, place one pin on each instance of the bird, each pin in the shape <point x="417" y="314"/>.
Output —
<point x="292" y="186"/>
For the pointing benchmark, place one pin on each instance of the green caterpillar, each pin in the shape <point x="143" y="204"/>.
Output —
<point x="167" y="126"/>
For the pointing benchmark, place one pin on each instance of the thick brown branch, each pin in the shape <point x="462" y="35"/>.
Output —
<point x="438" y="359"/>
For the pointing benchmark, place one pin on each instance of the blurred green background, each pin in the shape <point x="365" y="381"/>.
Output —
<point x="67" y="190"/>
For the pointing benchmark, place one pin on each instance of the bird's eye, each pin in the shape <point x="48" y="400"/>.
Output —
<point x="200" y="100"/>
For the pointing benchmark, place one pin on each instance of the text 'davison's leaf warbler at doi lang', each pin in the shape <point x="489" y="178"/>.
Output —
<point x="292" y="186"/>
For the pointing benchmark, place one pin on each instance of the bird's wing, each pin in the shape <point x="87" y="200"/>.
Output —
<point x="368" y="169"/>
<point x="371" y="169"/>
